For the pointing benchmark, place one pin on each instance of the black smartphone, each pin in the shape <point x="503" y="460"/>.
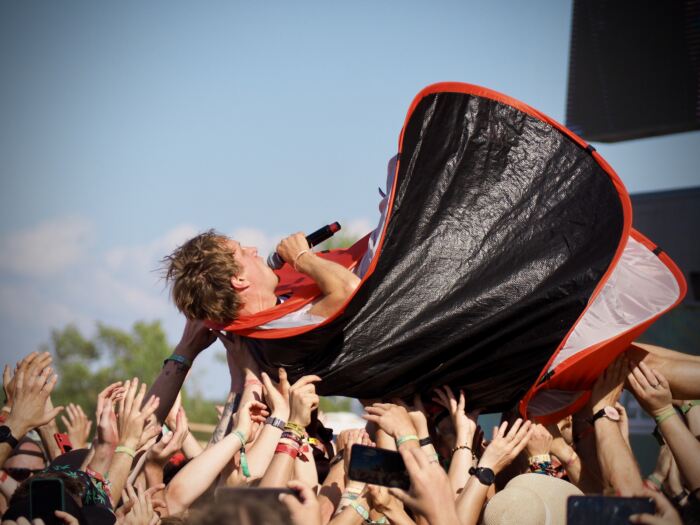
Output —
<point x="379" y="467"/>
<point x="236" y="494"/>
<point x="584" y="510"/>
<point x="45" y="496"/>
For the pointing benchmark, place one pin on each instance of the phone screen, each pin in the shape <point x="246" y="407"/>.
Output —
<point x="46" y="496"/>
<point x="584" y="510"/>
<point x="379" y="467"/>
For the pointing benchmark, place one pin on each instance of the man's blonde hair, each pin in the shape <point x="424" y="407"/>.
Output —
<point x="199" y="273"/>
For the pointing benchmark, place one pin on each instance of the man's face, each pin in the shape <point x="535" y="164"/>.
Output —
<point x="253" y="267"/>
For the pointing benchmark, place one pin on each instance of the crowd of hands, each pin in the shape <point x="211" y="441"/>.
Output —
<point x="157" y="472"/>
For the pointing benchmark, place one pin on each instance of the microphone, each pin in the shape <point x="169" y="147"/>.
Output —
<point x="275" y="262"/>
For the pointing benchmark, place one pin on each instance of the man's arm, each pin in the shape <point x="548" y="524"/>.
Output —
<point x="336" y="282"/>
<point x="195" y="338"/>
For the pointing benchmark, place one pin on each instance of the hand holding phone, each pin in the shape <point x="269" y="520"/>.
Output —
<point x="378" y="466"/>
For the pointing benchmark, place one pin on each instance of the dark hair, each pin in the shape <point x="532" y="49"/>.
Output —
<point x="200" y="274"/>
<point x="242" y="511"/>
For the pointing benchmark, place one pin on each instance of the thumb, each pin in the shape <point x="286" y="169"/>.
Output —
<point x="646" y="518"/>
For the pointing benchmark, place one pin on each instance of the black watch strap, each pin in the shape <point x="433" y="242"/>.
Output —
<point x="7" y="437"/>
<point x="424" y="442"/>
<point x="591" y="420"/>
<point x="485" y="475"/>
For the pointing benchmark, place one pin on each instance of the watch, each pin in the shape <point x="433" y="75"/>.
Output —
<point x="610" y="412"/>
<point x="7" y="437"/>
<point x="484" y="475"/>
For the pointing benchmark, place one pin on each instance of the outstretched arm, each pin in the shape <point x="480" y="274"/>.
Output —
<point x="336" y="282"/>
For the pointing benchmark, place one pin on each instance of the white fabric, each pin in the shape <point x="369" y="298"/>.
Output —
<point x="300" y="317"/>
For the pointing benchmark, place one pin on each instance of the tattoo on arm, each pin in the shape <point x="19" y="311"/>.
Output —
<point x="224" y="425"/>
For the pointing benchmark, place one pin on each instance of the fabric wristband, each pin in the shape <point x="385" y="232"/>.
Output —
<point x="296" y="429"/>
<point x="403" y="439"/>
<point x="244" y="459"/>
<point x="655" y="481"/>
<point x="290" y="450"/>
<point x="424" y="442"/>
<point x="687" y="407"/>
<point x="669" y="412"/>
<point x="125" y="450"/>
<point x="180" y="359"/>
<point x="540" y="458"/>
<point x="364" y="513"/>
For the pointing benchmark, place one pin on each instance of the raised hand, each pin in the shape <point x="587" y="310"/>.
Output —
<point x="77" y="425"/>
<point x="32" y="389"/>
<point x="430" y="494"/>
<point x="303" y="400"/>
<point x="392" y="419"/>
<point x="665" y="513"/>
<point x="304" y="508"/>
<point x="132" y="415"/>
<point x="608" y="387"/>
<point x="196" y="337"/>
<point x="141" y="508"/>
<point x="277" y="396"/>
<point x="540" y="441"/>
<point x="650" y="388"/>
<point x="463" y="423"/>
<point x="248" y="414"/>
<point x="31" y="364"/>
<point x="505" y="446"/>
<point x="171" y="442"/>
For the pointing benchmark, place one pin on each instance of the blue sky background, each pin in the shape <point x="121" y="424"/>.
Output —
<point x="126" y="127"/>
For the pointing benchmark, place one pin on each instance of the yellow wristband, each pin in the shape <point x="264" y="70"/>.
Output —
<point x="125" y="450"/>
<point x="403" y="439"/>
<point x="670" y="412"/>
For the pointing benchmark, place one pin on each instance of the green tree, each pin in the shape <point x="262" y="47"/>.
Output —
<point x="86" y="366"/>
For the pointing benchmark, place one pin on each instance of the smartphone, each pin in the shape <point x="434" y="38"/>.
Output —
<point x="584" y="510"/>
<point x="45" y="496"/>
<point x="236" y="494"/>
<point x="378" y="466"/>
<point x="63" y="442"/>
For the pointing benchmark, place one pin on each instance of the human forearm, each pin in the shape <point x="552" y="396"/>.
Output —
<point x="331" y="491"/>
<point x="195" y="477"/>
<point x="263" y="450"/>
<point x="459" y="469"/>
<point x="279" y="472"/>
<point x="471" y="501"/>
<point x="336" y="282"/>
<point x="102" y="458"/>
<point x="692" y="418"/>
<point x="168" y="384"/>
<point x="306" y="470"/>
<point x="118" y="474"/>
<point x="7" y="485"/>
<point x="617" y="463"/>
<point x="684" y="447"/>
<point x="153" y="473"/>
<point x="191" y="447"/>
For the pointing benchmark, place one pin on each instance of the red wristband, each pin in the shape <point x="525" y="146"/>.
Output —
<point x="293" y="452"/>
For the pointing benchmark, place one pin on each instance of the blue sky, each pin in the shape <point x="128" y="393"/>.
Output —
<point x="128" y="126"/>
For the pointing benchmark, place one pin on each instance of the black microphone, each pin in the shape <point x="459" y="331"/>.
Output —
<point x="275" y="262"/>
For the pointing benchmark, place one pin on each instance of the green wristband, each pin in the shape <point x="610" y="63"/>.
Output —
<point x="665" y="415"/>
<point x="403" y="439"/>
<point x="125" y="450"/>
<point x="244" y="459"/>
<point x="180" y="359"/>
<point x="687" y="407"/>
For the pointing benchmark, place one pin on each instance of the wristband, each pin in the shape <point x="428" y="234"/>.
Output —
<point x="337" y="458"/>
<point x="302" y="252"/>
<point x="655" y="481"/>
<point x="314" y="442"/>
<point x="275" y="422"/>
<point x="181" y="360"/>
<point x="424" y="442"/>
<point x="403" y="439"/>
<point x="125" y="450"/>
<point x="669" y="412"/>
<point x="540" y="458"/>
<point x="250" y="382"/>
<point x="687" y="407"/>
<point x="244" y="460"/>
<point x="364" y="513"/>
<point x="283" y="448"/>
<point x="296" y="429"/>
<point x="292" y="437"/>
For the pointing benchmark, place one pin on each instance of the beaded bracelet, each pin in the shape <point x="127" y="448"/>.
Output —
<point x="461" y="447"/>
<point x="403" y="439"/>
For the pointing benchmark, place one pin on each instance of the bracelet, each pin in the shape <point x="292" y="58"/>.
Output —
<point x="669" y="412"/>
<point x="180" y="359"/>
<point x="350" y="495"/>
<point x="275" y="422"/>
<point x="302" y="252"/>
<point x="424" y="442"/>
<point x="296" y="429"/>
<point x="685" y="407"/>
<point x="403" y="439"/>
<point x="655" y="481"/>
<point x="337" y="458"/>
<point x="283" y="448"/>
<point x="291" y="436"/>
<point x="252" y="382"/>
<point x="125" y="450"/>
<point x="540" y="458"/>
<point x="244" y="459"/>
<point x="461" y="447"/>
<point x="364" y="513"/>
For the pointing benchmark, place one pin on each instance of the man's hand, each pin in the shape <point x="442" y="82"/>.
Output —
<point x="392" y="419"/>
<point x="608" y="387"/>
<point x="290" y="248"/>
<point x="196" y="337"/>
<point x="31" y="364"/>
<point x="132" y="416"/>
<point x="505" y="447"/>
<point x="540" y="441"/>
<point x="464" y="424"/>
<point x="651" y="389"/>
<point x="303" y="400"/>
<point x="248" y="414"/>
<point x="77" y="426"/>
<point x="277" y="396"/>
<point x="31" y="390"/>
<point x="304" y="508"/>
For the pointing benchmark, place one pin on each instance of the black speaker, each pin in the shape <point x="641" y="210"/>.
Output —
<point x="634" y="68"/>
